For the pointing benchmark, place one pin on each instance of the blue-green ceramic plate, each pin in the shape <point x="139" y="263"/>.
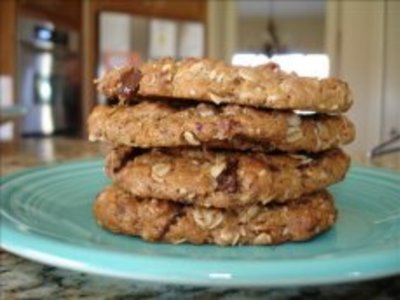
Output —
<point x="46" y="216"/>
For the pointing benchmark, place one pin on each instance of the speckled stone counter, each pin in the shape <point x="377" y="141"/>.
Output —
<point x="24" y="279"/>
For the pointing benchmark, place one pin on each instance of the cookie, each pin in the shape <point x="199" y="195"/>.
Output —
<point x="157" y="124"/>
<point x="156" y="220"/>
<point x="223" y="179"/>
<point x="212" y="80"/>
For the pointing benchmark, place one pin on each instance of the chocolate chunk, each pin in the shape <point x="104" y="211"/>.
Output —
<point x="273" y="168"/>
<point x="124" y="155"/>
<point x="227" y="180"/>
<point x="130" y="84"/>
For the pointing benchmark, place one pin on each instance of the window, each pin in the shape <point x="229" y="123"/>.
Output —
<point x="303" y="64"/>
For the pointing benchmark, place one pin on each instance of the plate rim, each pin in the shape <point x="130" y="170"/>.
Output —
<point x="39" y="252"/>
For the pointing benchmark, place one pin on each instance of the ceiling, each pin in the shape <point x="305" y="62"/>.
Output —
<point x="281" y="8"/>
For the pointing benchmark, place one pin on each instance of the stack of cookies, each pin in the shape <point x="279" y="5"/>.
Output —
<point x="204" y="152"/>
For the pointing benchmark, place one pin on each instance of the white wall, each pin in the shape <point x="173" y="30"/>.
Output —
<point x="304" y="35"/>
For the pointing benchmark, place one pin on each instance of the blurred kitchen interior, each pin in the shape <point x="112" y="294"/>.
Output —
<point x="51" y="50"/>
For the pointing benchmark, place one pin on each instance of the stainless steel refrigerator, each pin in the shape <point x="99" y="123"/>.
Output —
<point x="48" y="78"/>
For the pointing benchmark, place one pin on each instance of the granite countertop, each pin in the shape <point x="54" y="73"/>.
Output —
<point x="24" y="279"/>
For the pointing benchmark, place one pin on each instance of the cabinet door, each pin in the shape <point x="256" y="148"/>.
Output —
<point x="194" y="10"/>
<point x="391" y="92"/>
<point x="63" y="13"/>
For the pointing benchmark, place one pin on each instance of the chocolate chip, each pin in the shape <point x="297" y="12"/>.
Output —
<point x="227" y="180"/>
<point x="273" y="168"/>
<point x="124" y="155"/>
<point x="130" y="84"/>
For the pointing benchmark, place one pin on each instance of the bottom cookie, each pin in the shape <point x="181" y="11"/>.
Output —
<point x="165" y="221"/>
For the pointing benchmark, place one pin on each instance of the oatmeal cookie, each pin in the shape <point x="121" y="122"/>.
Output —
<point x="223" y="179"/>
<point x="158" y="124"/>
<point x="157" y="220"/>
<point x="212" y="80"/>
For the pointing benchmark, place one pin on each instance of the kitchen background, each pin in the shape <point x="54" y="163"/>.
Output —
<point x="51" y="50"/>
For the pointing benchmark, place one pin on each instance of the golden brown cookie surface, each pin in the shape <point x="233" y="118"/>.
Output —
<point x="157" y="124"/>
<point x="223" y="179"/>
<point x="157" y="220"/>
<point x="214" y="81"/>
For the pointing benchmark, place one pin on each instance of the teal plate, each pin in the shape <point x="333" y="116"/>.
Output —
<point x="46" y="216"/>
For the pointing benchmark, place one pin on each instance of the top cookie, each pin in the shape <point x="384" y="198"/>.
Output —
<point x="214" y="81"/>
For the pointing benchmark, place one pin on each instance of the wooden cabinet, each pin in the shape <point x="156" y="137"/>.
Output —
<point x="63" y="13"/>
<point x="175" y="9"/>
<point x="8" y="33"/>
